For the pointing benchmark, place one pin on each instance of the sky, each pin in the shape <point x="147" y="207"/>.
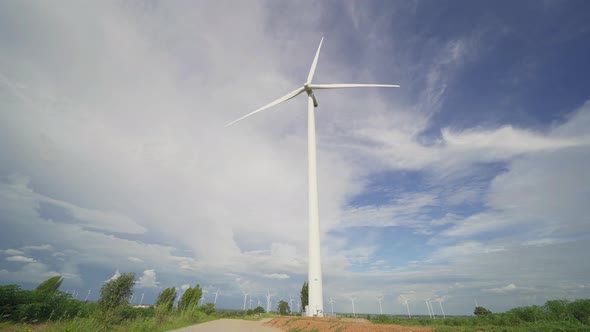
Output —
<point x="469" y="183"/>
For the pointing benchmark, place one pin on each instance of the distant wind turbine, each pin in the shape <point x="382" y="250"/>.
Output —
<point x="216" y="293"/>
<point x="380" y="299"/>
<point x="315" y="294"/>
<point x="141" y="301"/>
<point x="245" y="297"/>
<point x="405" y="301"/>
<point x="428" y="307"/>
<point x="441" y="308"/>
<point x="432" y="309"/>
<point x="332" y="305"/>
<point x="352" y="301"/>
<point x="87" y="295"/>
<point x="250" y="302"/>
<point x="291" y="302"/>
<point x="268" y="304"/>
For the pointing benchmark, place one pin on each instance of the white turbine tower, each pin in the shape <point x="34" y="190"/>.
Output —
<point x="268" y="296"/>
<point x="291" y="302"/>
<point x="245" y="297"/>
<point x="441" y="308"/>
<point x="141" y="301"/>
<point x="428" y="307"/>
<point x="216" y="293"/>
<point x="380" y="299"/>
<point x="315" y="293"/>
<point x="352" y="301"/>
<point x="87" y="295"/>
<point x="332" y="305"/>
<point x="405" y="301"/>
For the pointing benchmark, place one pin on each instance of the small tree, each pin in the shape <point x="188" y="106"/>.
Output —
<point x="259" y="310"/>
<point x="481" y="311"/>
<point x="114" y="297"/>
<point x="50" y="285"/>
<point x="284" y="308"/>
<point x="304" y="296"/>
<point x="190" y="298"/>
<point x="166" y="299"/>
<point x="207" y="308"/>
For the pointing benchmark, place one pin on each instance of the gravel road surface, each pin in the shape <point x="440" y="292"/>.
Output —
<point x="229" y="325"/>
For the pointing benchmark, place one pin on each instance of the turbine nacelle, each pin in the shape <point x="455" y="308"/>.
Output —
<point x="308" y="87"/>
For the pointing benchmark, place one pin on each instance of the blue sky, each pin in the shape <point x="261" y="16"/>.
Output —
<point x="469" y="182"/>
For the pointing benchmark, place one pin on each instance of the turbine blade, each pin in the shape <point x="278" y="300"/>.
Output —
<point x="340" y="86"/>
<point x="314" y="63"/>
<point x="278" y="101"/>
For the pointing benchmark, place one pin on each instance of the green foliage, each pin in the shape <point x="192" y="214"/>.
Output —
<point x="166" y="299"/>
<point x="259" y="310"/>
<point x="481" y="311"/>
<point x="284" y="308"/>
<point x="207" y="308"/>
<point x="304" y="295"/>
<point x="114" y="298"/>
<point x="190" y="298"/>
<point x="50" y="285"/>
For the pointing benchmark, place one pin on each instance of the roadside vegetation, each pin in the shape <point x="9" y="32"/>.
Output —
<point x="553" y="316"/>
<point x="48" y="309"/>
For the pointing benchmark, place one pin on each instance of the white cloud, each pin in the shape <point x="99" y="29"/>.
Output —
<point x="276" y="276"/>
<point x="116" y="275"/>
<point x="21" y="259"/>
<point x="135" y="259"/>
<point x="147" y="280"/>
<point x="502" y="290"/>
<point x="43" y="247"/>
<point x="12" y="252"/>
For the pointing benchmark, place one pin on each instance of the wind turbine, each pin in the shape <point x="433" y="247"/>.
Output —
<point x="428" y="307"/>
<point x="216" y="293"/>
<point x="405" y="300"/>
<point x="250" y="302"/>
<point x="268" y="296"/>
<point x="141" y="301"/>
<point x="352" y="300"/>
<point x="332" y="305"/>
<point x="291" y="302"/>
<point x="441" y="308"/>
<point x="87" y="295"/>
<point x="245" y="297"/>
<point x="315" y="293"/>
<point x="432" y="309"/>
<point x="380" y="299"/>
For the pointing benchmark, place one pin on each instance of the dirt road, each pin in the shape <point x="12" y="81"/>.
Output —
<point x="230" y="325"/>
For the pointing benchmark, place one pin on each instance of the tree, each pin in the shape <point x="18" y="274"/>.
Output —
<point x="190" y="298"/>
<point x="114" y="297"/>
<point x="304" y="296"/>
<point x="259" y="310"/>
<point x="481" y="311"/>
<point x="50" y="285"/>
<point x="207" y="308"/>
<point x="166" y="299"/>
<point x="284" y="308"/>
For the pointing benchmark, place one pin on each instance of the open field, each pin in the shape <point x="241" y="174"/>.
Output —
<point x="339" y="325"/>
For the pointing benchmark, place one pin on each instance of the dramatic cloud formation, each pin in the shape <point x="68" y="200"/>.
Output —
<point x="470" y="181"/>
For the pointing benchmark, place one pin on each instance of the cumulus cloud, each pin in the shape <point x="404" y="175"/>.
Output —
<point x="21" y="259"/>
<point x="276" y="276"/>
<point x="12" y="252"/>
<point x="135" y="259"/>
<point x="502" y="290"/>
<point x="147" y="280"/>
